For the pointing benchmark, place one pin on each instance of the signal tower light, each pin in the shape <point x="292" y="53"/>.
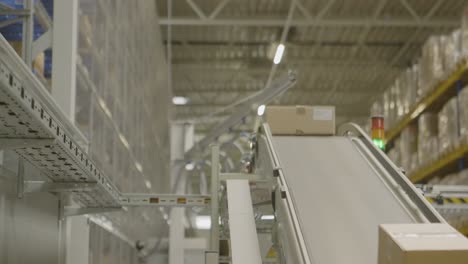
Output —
<point x="378" y="132"/>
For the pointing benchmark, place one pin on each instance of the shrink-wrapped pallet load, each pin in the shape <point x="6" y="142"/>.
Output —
<point x="427" y="138"/>
<point x="432" y="64"/>
<point x="448" y="128"/>
<point x="408" y="146"/>
<point x="463" y="102"/>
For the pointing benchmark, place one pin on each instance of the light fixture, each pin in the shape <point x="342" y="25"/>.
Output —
<point x="138" y="166"/>
<point x="378" y="131"/>
<point x="261" y="110"/>
<point x="124" y="141"/>
<point x="148" y="184"/>
<point x="267" y="217"/>
<point x="203" y="222"/>
<point x="104" y="107"/>
<point x="180" y="100"/>
<point x="189" y="166"/>
<point x="278" y="54"/>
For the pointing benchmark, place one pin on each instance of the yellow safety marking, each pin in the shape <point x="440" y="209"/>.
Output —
<point x="456" y="200"/>
<point x="271" y="253"/>
<point x="449" y="200"/>
<point x="428" y="101"/>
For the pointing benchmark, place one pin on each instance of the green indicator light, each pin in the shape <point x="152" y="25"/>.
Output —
<point x="379" y="143"/>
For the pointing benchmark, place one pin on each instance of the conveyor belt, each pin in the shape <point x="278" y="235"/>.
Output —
<point x="339" y="198"/>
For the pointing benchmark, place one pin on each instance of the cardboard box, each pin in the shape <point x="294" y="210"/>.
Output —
<point x="38" y="62"/>
<point x="301" y="120"/>
<point x="421" y="244"/>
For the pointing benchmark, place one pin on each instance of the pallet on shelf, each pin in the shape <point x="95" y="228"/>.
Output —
<point x="442" y="92"/>
<point x="443" y="162"/>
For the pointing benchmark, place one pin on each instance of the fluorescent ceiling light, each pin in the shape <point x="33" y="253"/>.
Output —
<point x="138" y="166"/>
<point x="203" y="222"/>
<point x="180" y="100"/>
<point x="124" y="141"/>
<point x="190" y="166"/>
<point x="148" y="184"/>
<point x="279" y="54"/>
<point x="267" y="217"/>
<point x="261" y="110"/>
<point x="104" y="107"/>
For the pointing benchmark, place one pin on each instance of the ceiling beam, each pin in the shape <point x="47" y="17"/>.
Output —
<point x="338" y="22"/>
<point x="185" y="112"/>
<point x="362" y="90"/>
<point x="219" y="8"/>
<point x="408" y="43"/>
<point x="196" y="9"/>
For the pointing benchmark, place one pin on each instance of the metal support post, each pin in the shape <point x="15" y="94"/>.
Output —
<point x="28" y="32"/>
<point x="459" y="87"/>
<point x="64" y="233"/>
<point x="64" y="44"/>
<point x="20" y="179"/>
<point x="182" y="140"/>
<point x="214" y="242"/>
<point x="244" y="239"/>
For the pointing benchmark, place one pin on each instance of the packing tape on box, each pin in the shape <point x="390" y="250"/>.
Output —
<point x="425" y="235"/>
<point x="300" y="110"/>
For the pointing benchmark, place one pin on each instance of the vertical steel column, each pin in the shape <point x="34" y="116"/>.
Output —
<point x="64" y="229"/>
<point x="459" y="87"/>
<point x="28" y="32"/>
<point x="20" y="179"/>
<point x="244" y="240"/>
<point x="181" y="140"/>
<point x="77" y="240"/>
<point x="64" y="45"/>
<point x="214" y="241"/>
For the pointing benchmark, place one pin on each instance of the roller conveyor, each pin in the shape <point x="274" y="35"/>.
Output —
<point x="332" y="194"/>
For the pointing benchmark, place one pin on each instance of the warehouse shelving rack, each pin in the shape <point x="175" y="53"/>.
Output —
<point x="445" y="90"/>
<point x="440" y="95"/>
<point x="450" y="159"/>
<point x="33" y="126"/>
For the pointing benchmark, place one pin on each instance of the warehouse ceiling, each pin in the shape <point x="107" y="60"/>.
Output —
<point x="345" y="52"/>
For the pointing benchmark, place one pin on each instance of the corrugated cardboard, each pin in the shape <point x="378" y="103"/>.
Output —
<point x="38" y="62"/>
<point x="421" y="244"/>
<point x="301" y="120"/>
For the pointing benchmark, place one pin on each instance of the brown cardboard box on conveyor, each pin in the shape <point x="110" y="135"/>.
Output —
<point x="421" y="244"/>
<point x="301" y="120"/>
